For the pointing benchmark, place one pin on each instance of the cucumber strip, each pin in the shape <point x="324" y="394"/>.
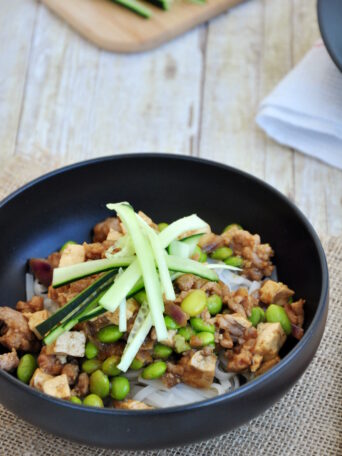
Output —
<point x="148" y="269"/>
<point x="221" y="266"/>
<point x="192" y="267"/>
<point x="89" y="293"/>
<point x="136" y="7"/>
<point x="159" y="255"/>
<point x="121" y="287"/>
<point x="68" y="274"/>
<point x="139" y="332"/>
<point x="180" y="249"/>
<point x="171" y="232"/>
<point x="192" y="241"/>
<point x="163" y="4"/>
<point x="99" y="310"/>
<point x="122" y="316"/>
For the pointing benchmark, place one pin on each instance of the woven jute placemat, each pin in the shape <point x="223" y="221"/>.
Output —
<point x="307" y="421"/>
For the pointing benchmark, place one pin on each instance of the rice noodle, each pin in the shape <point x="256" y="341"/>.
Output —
<point x="39" y="289"/>
<point x="29" y="285"/>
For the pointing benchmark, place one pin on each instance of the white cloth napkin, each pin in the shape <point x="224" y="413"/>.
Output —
<point x="305" y="110"/>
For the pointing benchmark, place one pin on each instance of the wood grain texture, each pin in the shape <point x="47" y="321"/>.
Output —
<point x="64" y="100"/>
<point x="115" y="28"/>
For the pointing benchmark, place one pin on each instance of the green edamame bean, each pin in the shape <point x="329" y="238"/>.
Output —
<point x="180" y="344"/>
<point x="234" y="261"/>
<point x="194" y="303"/>
<point x="204" y="337"/>
<point x="141" y="296"/>
<point x="26" y="367"/>
<point x="199" y="255"/>
<point x="162" y="226"/>
<point x="222" y="253"/>
<point x="257" y="315"/>
<point x="231" y="226"/>
<point x="186" y="332"/>
<point x="93" y="400"/>
<point x="200" y="325"/>
<point x="91" y="350"/>
<point x="66" y="245"/>
<point x="120" y="388"/>
<point x="75" y="400"/>
<point x="154" y="370"/>
<point x="99" y="384"/>
<point x="162" y="351"/>
<point x="277" y="314"/>
<point x="91" y="365"/>
<point x="136" y="364"/>
<point x="214" y="304"/>
<point x="170" y="323"/>
<point x="109" y="334"/>
<point x="109" y="366"/>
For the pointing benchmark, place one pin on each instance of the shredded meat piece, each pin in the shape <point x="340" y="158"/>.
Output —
<point x="188" y="282"/>
<point x="9" y="361"/>
<point x="93" y="251"/>
<point x="210" y="242"/>
<point x="102" y="229"/>
<point x="54" y="258"/>
<point x="241" y="357"/>
<point x="34" y="305"/>
<point x="82" y="387"/>
<point x="275" y="293"/>
<point x="130" y="404"/>
<point x="49" y="364"/>
<point x="71" y="370"/>
<point x="64" y="294"/>
<point x="266" y="365"/>
<point x="170" y="379"/>
<point x="144" y="356"/>
<point x="198" y="368"/>
<point x="212" y="288"/>
<point x="241" y="302"/>
<point x="257" y="263"/>
<point x="295" y="312"/>
<point x="15" y="331"/>
<point x="235" y="324"/>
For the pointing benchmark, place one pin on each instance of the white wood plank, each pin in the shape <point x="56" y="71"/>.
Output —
<point x="17" y="20"/>
<point x="82" y="102"/>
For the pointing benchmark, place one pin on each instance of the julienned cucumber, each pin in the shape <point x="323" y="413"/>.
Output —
<point x="184" y="247"/>
<point x="86" y="296"/>
<point x="164" y="4"/>
<point x="68" y="274"/>
<point x="188" y="266"/>
<point x="136" y="7"/>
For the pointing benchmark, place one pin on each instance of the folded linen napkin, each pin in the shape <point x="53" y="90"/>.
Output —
<point x="305" y="110"/>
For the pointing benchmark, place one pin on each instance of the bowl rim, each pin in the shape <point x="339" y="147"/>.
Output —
<point x="271" y="375"/>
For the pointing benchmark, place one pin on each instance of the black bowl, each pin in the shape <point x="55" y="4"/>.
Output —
<point x="65" y="204"/>
<point x="330" y="20"/>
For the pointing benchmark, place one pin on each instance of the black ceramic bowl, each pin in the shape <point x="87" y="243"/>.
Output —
<point x="65" y="204"/>
<point x="330" y="19"/>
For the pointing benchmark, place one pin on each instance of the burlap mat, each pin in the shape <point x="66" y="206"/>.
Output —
<point x="307" y="421"/>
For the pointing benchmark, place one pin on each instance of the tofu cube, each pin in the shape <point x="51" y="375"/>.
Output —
<point x="71" y="343"/>
<point x="72" y="254"/>
<point x="57" y="387"/>
<point x="270" y="339"/>
<point x="275" y="293"/>
<point x="113" y="235"/>
<point x="34" y="319"/>
<point x="39" y="378"/>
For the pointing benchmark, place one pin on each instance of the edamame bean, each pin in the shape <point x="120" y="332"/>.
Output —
<point x="66" y="244"/>
<point x="99" y="384"/>
<point x="92" y="400"/>
<point x="277" y="314"/>
<point x="136" y="364"/>
<point x="194" y="303"/>
<point x="199" y="255"/>
<point x="234" y="261"/>
<point x="180" y="344"/>
<point x="257" y="315"/>
<point x="109" y="334"/>
<point x="222" y="253"/>
<point x="120" y="388"/>
<point x="141" y="296"/>
<point x="205" y="338"/>
<point x="75" y="400"/>
<point x="214" y="304"/>
<point x="91" y="350"/>
<point x="161" y="351"/>
<point x="186" y="332"/>
<point x="162" y="226"/>
<point x="231" y="226"/>
<point x="27" y="365"/>
<point x="200" y="325"/>
<point x="109" y="366"/>
<point x="154" y="370"/>
<point x="170" y="323"/>
<point x="91" y="365"/>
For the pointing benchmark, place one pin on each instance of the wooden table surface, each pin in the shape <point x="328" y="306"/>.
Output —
<point x="63" y="100"/>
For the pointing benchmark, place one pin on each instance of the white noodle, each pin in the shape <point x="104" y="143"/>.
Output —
<point x="29" y="284"/>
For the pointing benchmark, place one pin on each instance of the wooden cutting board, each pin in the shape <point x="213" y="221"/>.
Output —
<point x="114" y="28"/>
